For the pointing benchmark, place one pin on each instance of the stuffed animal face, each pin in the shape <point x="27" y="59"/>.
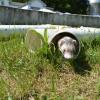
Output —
<point x="67" y="46"/>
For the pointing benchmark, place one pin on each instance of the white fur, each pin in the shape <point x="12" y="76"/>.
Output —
<point x="67" y="46"/>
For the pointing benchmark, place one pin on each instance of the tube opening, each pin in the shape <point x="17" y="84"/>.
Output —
<point x="67" y="43"/>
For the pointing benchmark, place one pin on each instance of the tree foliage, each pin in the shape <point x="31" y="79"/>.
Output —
<point x="72" y="6"/>
<point x="20" y="1"/>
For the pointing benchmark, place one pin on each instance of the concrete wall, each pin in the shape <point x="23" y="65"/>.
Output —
<point x="14" y="16"/>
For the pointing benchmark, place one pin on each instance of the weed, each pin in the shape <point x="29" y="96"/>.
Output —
<point x="45" y="74"/>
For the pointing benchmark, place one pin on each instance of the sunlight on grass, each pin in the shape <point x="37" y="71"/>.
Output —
<point x="48" y="76"/>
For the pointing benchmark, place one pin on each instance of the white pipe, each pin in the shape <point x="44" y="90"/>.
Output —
<point x="6" y="29"/>
<point x="75" y="34"/>
<point x="53" y="32"/>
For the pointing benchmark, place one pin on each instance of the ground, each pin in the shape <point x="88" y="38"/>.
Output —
<point x="47" y="76"/>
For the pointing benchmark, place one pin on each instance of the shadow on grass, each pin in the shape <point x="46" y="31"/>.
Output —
<point x="81" y="65"/>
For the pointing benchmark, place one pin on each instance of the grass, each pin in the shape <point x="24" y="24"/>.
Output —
<point x="47" y="76"/>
